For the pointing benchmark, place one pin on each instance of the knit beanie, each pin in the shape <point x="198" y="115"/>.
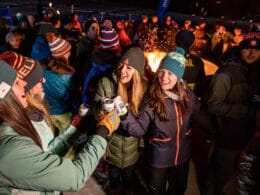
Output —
<point x="134" y="57"/>
<point x="7" y="78"/>
<point x="28" y="69"/>
<point x="107" y="23"/>
<point x="251" y="40"/>
<point x="184" y="39"/>
<point x="59" y="47"/>
<point x="46" y="28"/>
<point x="109" y="39"/>
<point x="175" y="62"/>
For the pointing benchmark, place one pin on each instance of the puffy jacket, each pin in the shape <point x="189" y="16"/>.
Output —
<point x="40" y="49"/>
<point x="122" y="148"/>
<point x="57" y="90"/>
<point x="169" y="142"/>
<point x="227" y="100"/>
<point x="103" y="62"/>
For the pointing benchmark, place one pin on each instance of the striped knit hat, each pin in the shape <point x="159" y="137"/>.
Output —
<point x="109" y="39"/>
<point x="107" y="23"/>
<point x="28" y="69"/>
<point x="59" y="47"/>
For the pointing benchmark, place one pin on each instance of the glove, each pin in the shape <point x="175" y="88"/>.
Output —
<point x="110" y="120"/>
<point x="75" y="121"/>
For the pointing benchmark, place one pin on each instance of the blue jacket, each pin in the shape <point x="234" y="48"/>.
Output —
<point x="57" y="90"/>
<point x="40" y="49"/>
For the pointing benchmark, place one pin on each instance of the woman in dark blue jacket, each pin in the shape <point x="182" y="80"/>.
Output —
<point x="165" y="119"/>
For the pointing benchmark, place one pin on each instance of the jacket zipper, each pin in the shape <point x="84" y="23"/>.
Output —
<point x="179" y="124"/>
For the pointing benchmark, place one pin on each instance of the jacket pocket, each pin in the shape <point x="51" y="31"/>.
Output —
<point x="156" y="139"/>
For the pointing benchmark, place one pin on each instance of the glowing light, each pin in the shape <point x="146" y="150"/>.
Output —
<point x="58" y="12"/>
<point x="154" y="59"/>
<point x="50" y="4"/>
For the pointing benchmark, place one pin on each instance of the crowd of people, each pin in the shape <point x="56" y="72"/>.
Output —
<point x="50" y="68"/>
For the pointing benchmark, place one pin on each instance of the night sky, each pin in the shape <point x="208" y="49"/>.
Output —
<point x="217" y="8"/>
<point x="237" y="9"/>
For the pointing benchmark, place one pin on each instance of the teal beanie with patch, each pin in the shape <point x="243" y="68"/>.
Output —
<point x="7" y="78"/>
<point x="175" y="62"/>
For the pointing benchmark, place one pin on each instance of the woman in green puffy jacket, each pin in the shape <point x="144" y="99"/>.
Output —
<point x="130" y="83"/>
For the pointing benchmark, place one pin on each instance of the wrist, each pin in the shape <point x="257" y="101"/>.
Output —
<point x="102" y="131"/>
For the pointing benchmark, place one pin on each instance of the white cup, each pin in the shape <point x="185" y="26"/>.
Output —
<point x="120" y="105"/>
<point x="107" y="104"/>
<point x="83" y="109"/>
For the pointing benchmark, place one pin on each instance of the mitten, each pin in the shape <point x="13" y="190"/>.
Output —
<point x="75" y="120"/>
<point x="110" y="120"/>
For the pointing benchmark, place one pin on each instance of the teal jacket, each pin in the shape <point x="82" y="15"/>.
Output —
<point x="24" y="165"/>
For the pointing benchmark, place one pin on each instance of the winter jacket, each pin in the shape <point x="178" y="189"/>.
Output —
<point x="103" y="62"/>
<point x="24" y="165"/>
<point x="57" y="145"/>
<point x="194" y="73"/>
<point x="227" y="101"/>
<point x="83" y="51"/>
<point x="57" y="90"/>
<point x="40" y="49"/>
<point x="122" y="149"/>
<point x="168" y="142"/>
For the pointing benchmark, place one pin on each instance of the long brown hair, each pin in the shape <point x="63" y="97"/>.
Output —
<point x="59" y="66"/>
<point x="12" y="113"/>
<point x="38" y="102"/>
<point x="133" y="92"/>
<point x="157" y="97"/>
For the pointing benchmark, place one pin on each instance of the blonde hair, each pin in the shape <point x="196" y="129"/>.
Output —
<point x="10" y="35"/>
<point x="37" y="101"/>
<point x="133" y="92"/>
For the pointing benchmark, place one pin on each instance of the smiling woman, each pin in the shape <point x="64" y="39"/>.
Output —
<point x="24" y="162"/>
<point x="164" y="121"/>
